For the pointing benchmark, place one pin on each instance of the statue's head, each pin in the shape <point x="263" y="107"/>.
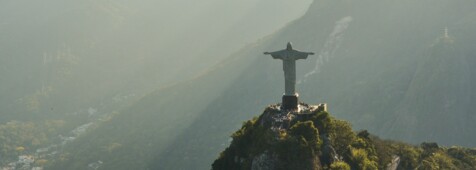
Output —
<point x="290" y="46"/>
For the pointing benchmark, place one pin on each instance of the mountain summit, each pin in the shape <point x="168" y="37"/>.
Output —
<point x="309" y="138"/>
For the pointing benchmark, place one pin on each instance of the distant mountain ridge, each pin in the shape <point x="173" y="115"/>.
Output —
<point x="443" y="84"/>
<point x="377" y="78"/>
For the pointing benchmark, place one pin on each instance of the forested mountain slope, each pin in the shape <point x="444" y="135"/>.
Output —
<point x="310" y="138"/>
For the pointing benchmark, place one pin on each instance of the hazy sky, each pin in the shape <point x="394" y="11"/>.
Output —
<point x="125" y="45"/>
<point x="171" y="30"/>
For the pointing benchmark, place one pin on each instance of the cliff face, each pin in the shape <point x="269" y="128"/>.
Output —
<point x="311" y="139"/>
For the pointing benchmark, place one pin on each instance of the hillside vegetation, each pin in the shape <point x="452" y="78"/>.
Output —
<point x="317" y="140"/>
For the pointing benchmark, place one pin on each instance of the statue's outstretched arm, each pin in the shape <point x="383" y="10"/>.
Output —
<point x="303" y="55"/>
<point x="276" y="54"/>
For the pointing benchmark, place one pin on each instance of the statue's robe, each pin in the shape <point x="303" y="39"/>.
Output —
<point x="289" y="57"/>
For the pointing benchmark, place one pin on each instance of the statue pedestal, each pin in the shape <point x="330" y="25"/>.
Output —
<point x="290" y="102"/>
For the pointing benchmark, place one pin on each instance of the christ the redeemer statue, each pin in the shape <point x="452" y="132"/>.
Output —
<point x="289" y="57"/>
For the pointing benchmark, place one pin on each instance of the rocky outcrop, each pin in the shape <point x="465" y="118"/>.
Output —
<point x="264" y="161"/>
<point x="278" y="139"/>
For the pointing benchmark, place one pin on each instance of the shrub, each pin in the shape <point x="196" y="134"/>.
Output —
<point x="306" y="130"/>
<point x="339" y="165"/>
<point x="360" y="158"/>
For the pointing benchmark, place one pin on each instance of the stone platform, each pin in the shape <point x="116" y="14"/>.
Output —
<point x="275" y="118"/>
